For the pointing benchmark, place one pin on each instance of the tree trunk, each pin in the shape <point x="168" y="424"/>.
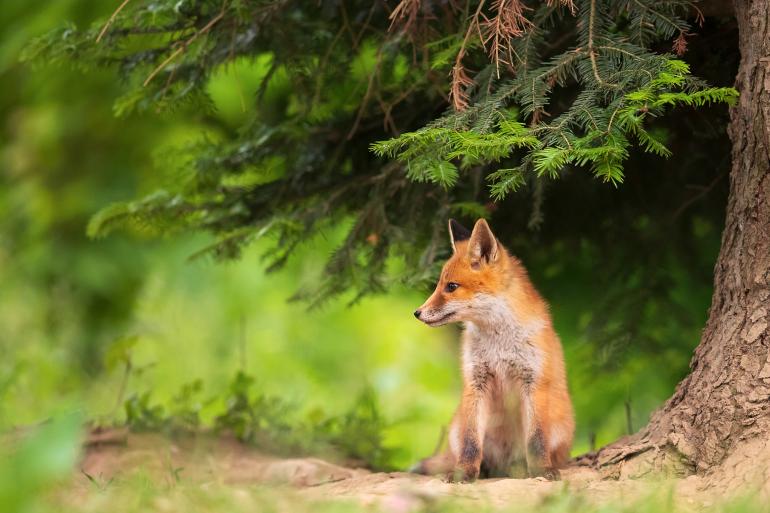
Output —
<point x="720" y="413"/>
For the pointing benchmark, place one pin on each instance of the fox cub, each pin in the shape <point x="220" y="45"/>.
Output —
<point x="515" y="408"/>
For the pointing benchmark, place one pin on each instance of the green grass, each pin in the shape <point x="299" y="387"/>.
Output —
<point x="142" y="494"/>
<point x="39" y="474"/>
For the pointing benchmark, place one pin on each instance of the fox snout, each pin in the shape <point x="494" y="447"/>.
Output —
<point x="434" y="316"/>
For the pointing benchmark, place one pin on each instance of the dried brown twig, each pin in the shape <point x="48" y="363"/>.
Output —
<point x="680" y="44"/>
<point x="458" y="91"/>
<point x="405" y="13"/>
<point x="508" y="22"/>
<point x="496" y="30"/>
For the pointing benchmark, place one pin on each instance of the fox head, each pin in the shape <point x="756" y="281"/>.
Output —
<point x="478" y="270"/>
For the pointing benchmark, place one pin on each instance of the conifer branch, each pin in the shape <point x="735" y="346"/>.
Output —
<point x="297" y="170"/>
<point x="111" y="20"/>
<point x="591" y="50"/>
<point x="182" y="47"/>
<point x="657" y="14"/>
<point x="367" y="95"/>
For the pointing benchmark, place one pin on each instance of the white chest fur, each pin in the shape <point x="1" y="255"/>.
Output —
<point x="497" y="343"/>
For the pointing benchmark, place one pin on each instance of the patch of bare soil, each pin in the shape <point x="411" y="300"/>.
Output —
<point x="115" y="454"/>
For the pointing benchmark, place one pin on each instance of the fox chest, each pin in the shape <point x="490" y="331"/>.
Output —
<point x="501" y="356"/>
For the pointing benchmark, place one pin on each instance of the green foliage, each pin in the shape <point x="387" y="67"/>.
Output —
<point x="269" y="422"/>
<point x="253" y="148"/>
<point x="41" y="459"/>
<point x="594" y="132"/>
<point x="64" y="158"/>
<point x="341" y="78"/>
<point x="358" y="433"/>
<point x="255" y="417"/>
<point x="142" y="415"/>
<point x="427" y="153"/>
<point x="119" y="352"/>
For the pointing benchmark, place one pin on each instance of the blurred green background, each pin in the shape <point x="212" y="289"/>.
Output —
<point x="73" y="311"/>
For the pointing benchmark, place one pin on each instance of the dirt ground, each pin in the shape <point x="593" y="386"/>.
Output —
<point x="114" y="454"/>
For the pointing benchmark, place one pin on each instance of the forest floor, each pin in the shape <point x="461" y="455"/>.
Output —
<point x="240" y="473"/>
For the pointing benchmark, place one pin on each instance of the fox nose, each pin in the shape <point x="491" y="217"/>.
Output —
<point x="417" y="314"/>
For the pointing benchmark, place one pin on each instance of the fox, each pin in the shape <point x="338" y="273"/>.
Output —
<point x="515" y="409"/>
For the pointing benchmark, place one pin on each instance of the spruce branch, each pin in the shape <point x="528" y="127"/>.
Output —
<point x="111" y="20"/>
<point x="494" y="96"/>
<point x="184" y="45"/>
<point x="590" y="42"/>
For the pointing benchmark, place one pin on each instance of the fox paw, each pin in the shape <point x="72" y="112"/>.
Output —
<point x="548" y="474"/>
<point x="463" y="474"/>
<point x="552" y="474"/>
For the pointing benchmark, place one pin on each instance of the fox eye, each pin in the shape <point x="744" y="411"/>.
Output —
<point x="451" y="286"/>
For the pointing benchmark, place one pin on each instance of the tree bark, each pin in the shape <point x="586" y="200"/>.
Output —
<point x="721" y="409"/>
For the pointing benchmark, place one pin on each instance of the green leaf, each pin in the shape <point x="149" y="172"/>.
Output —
<point x="609" y="170"/>
<point x="119" y="352"/>
<point x="505" y="181"/>
<point x="549" y="161"/>
<point x="443" y="173"/>
<point x="650" y="144"/>
<point x="678" y="66"/>
<point x="31" y="468"/>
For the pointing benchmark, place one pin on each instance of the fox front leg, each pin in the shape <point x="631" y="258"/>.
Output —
<point x="469" y="460"/>
<point x="538" y="458"/>
<point x="468" y="437"/>
<point x="539" y="461"/>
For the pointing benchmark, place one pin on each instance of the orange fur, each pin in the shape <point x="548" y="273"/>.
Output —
<point x="515" y="405"/>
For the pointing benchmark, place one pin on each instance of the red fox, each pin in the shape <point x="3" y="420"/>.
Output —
<point x="515" y="406"/>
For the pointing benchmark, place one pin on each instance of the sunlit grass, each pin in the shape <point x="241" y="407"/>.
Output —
<point x="40" y="472"/>
<point x="142" y="493"/>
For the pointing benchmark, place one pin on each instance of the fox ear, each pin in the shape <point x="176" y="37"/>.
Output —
<point x="483" y="244"/>
<point x="457" y="233"/>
